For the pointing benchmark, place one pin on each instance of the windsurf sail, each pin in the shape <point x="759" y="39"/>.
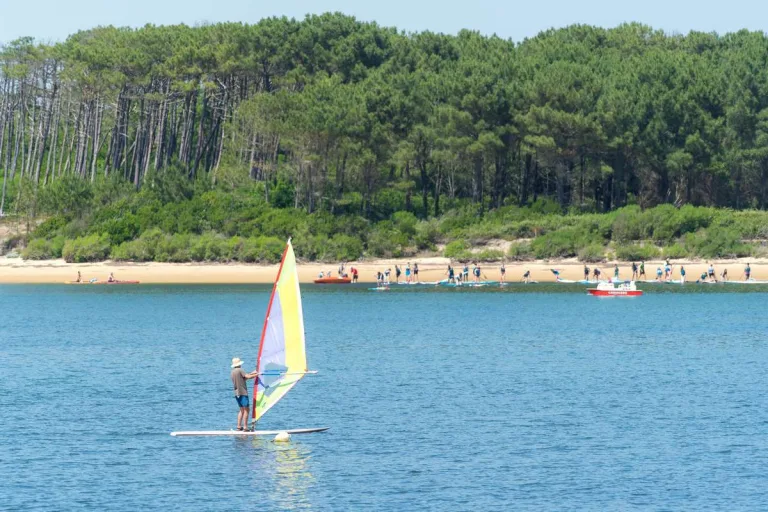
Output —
<point x="282" y="360"/>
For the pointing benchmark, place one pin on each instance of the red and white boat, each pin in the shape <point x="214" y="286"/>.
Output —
<point x="610" y="290"/>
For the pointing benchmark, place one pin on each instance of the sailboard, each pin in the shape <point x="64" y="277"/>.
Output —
<point x="282" y="359"/>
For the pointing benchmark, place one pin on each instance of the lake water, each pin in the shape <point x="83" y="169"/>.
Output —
<point x="437" y="400"/>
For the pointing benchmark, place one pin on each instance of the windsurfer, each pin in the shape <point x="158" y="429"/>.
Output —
<point x="239" y="378"/>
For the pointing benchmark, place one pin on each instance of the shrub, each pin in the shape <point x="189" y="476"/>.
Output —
<point x="520" y="251"/>
<point x="636" y="252"/>
<point x="455" y="250"/>
<point x="427" y="234"/>
<point x="718" y="243"/>
<point x="489" y="255"/>
<point x="593" y="253"/>
<point x="88" y="248"/>
<point x="405" y="222"/>
<point x="342" y="248"/>
<point x="675" y="251"/>
<point x="49" y="227"/>
<point x="38" y="249"/>
<point x="563" y="243"/>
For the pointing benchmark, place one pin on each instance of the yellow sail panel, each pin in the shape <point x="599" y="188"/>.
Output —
<point x="282" y="360"/>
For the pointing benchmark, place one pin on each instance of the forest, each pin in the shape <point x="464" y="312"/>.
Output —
<point x="215" y="142"/>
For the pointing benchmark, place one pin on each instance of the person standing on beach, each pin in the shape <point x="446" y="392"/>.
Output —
<point x="354" y="274"/>
<point x="451" y="278"/>
<point x="503" y="271"/>
<point x="724" y="275"/>
<point x="616" y="272"/>
<point x="415" y="272"/>
<point x="682" y="274"/>
<point x="239" y="378"/>
<point x="527" y="276"/>
<point x="586" y="273"/>
<point x="711" y="273"/>
<point x="476" y="272"/>
<point x="658" y="274"/>
<point x="386" y="275"/>
<point x="634" y="271"/>
<point x="747" y="272"/>
<point x="80" y="278"/>
<point x="408" y="272"/>
<point x="596" y="273"/>
<point x="642" y="270"/>
<point x="465" y="271"/>
<point x="397" y="273"/>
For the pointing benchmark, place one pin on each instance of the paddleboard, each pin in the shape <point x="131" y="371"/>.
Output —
<point x="247" y="433"/>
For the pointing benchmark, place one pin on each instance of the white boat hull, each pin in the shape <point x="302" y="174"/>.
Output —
<point x="247" y="433"/>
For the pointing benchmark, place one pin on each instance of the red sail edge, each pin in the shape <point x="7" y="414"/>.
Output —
<point x="264" y="330"/>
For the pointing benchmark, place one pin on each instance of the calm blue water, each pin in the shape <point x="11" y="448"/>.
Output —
<point x="436" y="401"/>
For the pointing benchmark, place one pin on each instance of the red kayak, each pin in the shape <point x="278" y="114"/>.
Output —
<point x="609" y="290"/>
<point x="333" y="280"/>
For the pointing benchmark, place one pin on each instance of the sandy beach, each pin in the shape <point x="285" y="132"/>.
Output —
<point x="16" y="270"/>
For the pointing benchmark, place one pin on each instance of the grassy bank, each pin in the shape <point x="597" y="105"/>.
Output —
<point x="183" y="224"/>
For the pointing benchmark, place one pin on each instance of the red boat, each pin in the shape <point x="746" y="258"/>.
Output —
<point x="333" y="280"/>
<point x="609" y="290"/>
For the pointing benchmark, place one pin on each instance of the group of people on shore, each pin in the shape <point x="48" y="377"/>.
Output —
<point x="665" y="273"/>
<point x="464" y="276"/>
<point x="411" y="275"/>
<point x="472" y="275"/>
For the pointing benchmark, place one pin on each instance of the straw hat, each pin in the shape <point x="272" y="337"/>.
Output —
<point x="236" y="362"/>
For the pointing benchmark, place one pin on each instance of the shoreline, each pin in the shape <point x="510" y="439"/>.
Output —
<point x="18" y="271"/>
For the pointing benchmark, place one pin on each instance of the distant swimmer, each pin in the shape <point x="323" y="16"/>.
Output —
<point x="239" y="378"/>
<point x="397" y="273"/>
<point x="747" y="272"/>
<point x="711" y="273"/>
<point x="682" y="274"/>
<point x="634" y="271"/>
<point x="527" y="276"/>
<point x="415" y="272"/>
<point x="586" y="273"/>
<point x="642" y="270"/>
<point x="503" y="271"/>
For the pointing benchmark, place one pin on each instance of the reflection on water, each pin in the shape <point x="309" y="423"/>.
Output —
<point x="282" y="470"/>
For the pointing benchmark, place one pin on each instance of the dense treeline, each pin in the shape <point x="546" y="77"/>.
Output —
<point x="331" y="116"/>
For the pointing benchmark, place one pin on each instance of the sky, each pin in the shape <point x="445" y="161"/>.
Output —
<point x="54" y="20"/>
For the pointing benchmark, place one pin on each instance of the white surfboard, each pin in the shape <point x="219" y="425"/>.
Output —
<point x="247" y="433"/>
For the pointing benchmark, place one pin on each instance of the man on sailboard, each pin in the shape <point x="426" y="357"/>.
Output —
<point x="239" y="378"/>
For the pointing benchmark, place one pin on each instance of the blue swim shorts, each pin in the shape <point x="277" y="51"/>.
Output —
<point x="242" y="400"/>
